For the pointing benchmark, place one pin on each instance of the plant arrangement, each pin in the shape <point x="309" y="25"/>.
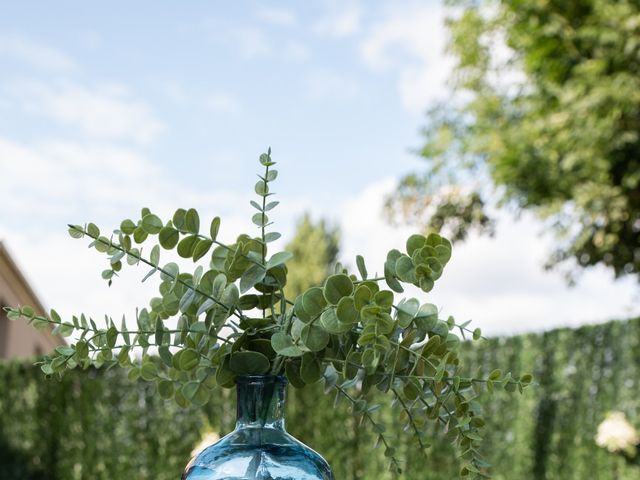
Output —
<point x="229" y="316"/>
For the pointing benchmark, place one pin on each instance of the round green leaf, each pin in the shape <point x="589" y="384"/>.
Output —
<point x="93" y="230"/>
<point x="278" y="259"/>
<point x="329" y="321"/>
<point x="426" y="284"/>
<point x="299" y="310"/>
<point x="201" y="249"/>
<point x="170" y="271"/>
<point x="314" y="337"/>
<point x="187" y="246"/>
<point x="151" y="224"/>
<point x="168" y="237"/>
<point x="292" y="369"/>
<point x="405" y="269"/>
<point x="414" y="242"/>
<point x="260" y="219"/>
<point x="283" y="345"/>
<point x="224" y="375"/>
<point x="139" y="235"/>
<point x="215" y="228"/>
<point x="263" y="346"/>
<point x="347" y="312"/>
<point x="148" y="371"/>
<point x="362" y="296"/>
<point x="390" y="278"/>
<point x="407" y="309"/>
<point x="180" y="399"/>
<point x="196" y="392"/>
<point x="82" y="350"/>
<point x="383" y="298"/>
<point x="165" y="389"/>
<point x="443" y="253"/>
<point x="262" y="188"/>
<point x="254" y="274"/>
<point x="127" y="227"/>
<point x="337" y="287"/>
<point x="76" y="231"/>
<point x="477" y="334"/>
<point x="249" y="363"/>
<point x="188" y="359"/>
<point x="313" y="302"/>
<point x="179" y="218"/>
<point x="192" y="221"/>
<point x="310" y="369"/>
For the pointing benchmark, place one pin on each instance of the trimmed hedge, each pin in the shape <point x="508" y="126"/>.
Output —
<point x="97" y="425"/>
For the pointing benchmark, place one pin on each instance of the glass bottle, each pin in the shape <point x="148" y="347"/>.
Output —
<point x="259" y="448"/>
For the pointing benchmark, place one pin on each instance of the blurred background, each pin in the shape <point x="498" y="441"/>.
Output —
<point x="511" y="126"/>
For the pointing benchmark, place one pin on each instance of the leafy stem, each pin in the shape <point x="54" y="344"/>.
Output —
<point x="109" y="244"/>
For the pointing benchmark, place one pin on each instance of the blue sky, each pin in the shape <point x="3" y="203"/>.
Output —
<point x="221" y="81"/>
<point x="105" y="108"/>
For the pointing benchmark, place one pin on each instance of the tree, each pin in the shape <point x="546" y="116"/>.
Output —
<point x="546" y="110"/>
<point x="315" y="249"/>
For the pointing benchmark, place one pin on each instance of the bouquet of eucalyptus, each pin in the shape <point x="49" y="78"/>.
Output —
<point x="229" y="316"/>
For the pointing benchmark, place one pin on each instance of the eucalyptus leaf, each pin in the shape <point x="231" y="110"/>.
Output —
<point x="214" y="228"/>
<point x="313" y="302"/>
<point x="314" y="337"/>
<point x="253" y="275"/>
<point x="187" y="246"/>
<point x="168" y="237"/>
<point x="279" y="259"/>
<point x="337" y="287"/>
<point x="283" y="345"/>
<point x="249" y="363"/>
<point x="151" y="224"/>
<point x="192" y="221"/>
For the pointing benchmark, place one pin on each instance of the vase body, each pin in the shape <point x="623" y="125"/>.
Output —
<point x="259" y="448"/>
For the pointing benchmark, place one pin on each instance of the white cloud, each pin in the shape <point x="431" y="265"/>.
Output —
<point x="497" y="282"/>
<point x="411" y="42"/>
<point x="277" y="16"/>
<point x="35" y="54"/>
<point x="105" y="111"/>
<point x="345" y="22"/>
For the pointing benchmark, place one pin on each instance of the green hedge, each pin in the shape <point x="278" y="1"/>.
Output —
<point x="97" y="425"/>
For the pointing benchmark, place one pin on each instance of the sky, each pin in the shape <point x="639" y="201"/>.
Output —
<point x="109" y="107"/>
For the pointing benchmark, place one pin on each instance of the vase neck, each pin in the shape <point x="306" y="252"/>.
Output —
<point x="261" y="400"/>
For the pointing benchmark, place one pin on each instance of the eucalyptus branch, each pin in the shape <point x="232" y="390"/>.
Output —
<point x="235" y="311"/>
<point x="410" y="416"/>
<point x="377" y="428"/>
<point x="16" y="311"/>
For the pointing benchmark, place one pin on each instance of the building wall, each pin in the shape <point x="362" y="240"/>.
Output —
<point x="19" y="339"/>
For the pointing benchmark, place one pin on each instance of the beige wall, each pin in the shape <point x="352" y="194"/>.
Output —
<point x="19" y="339"/>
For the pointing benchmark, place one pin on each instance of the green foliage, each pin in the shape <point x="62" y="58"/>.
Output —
<point x="555" y="128"/>
<point x="230" y="316"/>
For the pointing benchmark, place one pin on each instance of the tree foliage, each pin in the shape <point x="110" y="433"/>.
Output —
<point x="548" y="110"/>
<point x="229" y="316"/>
<point x="315" y="249"/>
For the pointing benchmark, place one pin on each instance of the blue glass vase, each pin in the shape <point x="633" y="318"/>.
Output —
<point x="259" y="448"/>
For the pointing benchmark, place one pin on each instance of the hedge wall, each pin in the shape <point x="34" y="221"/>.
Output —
<point x="97" y="425"/>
